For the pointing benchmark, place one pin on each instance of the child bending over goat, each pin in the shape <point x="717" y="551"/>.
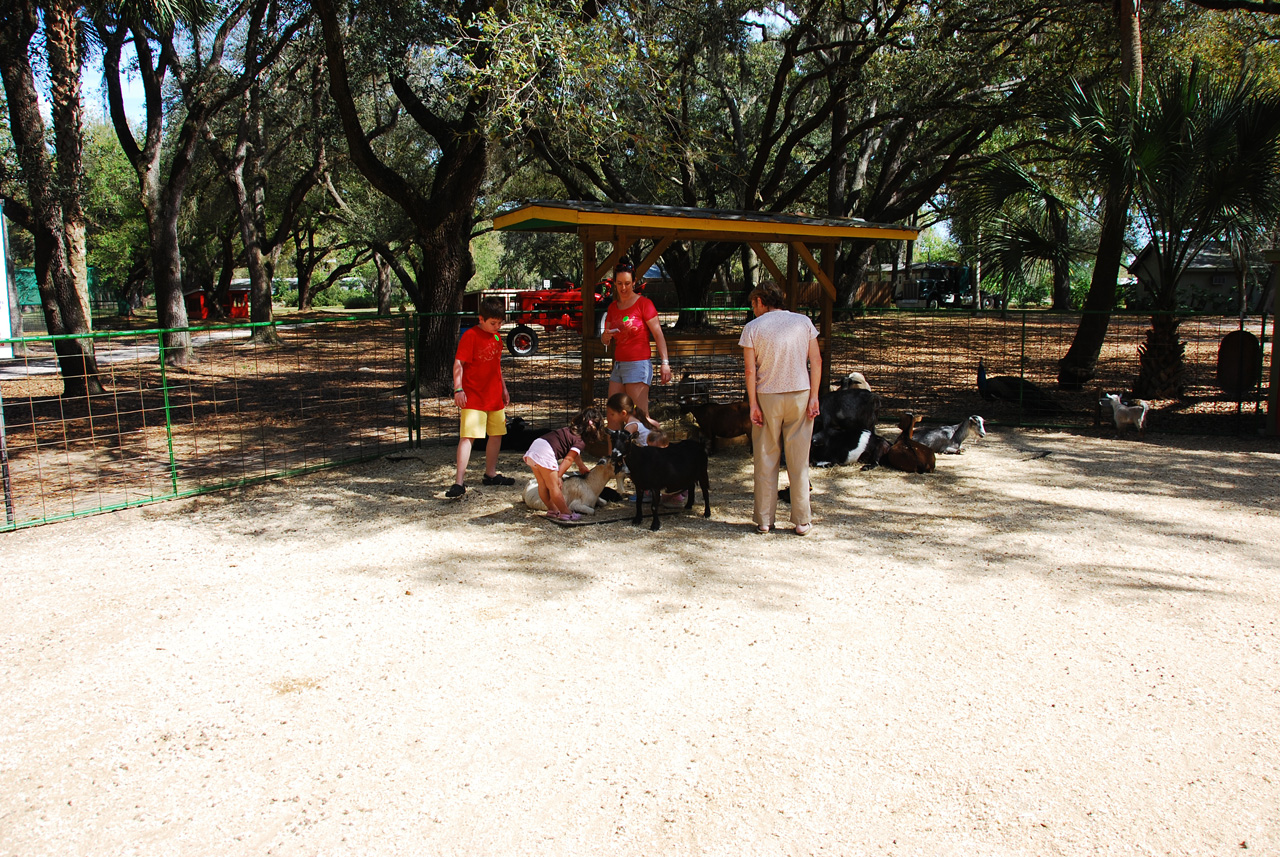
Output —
<point x="551" y="455"/>
<point x="581" y="493"/>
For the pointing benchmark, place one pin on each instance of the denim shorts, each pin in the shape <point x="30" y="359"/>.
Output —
<point x="632" y="372"/>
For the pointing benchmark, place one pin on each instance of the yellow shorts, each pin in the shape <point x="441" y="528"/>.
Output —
<point x="475" y="423"/>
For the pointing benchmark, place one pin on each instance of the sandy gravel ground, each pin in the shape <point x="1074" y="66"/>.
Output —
<point x="1053" y="645"/>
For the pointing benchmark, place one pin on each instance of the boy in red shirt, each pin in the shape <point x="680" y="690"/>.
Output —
<point x="480" y="392"/>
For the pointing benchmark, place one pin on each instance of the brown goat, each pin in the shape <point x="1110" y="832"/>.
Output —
<point x="722" y="420"/>
<point x="906" y="454"/>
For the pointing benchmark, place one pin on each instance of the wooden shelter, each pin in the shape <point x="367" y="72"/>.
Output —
<point x="810" y="241"/>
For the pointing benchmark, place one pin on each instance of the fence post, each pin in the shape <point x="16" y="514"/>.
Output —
<point x="168" y="418"/>
<point x="413" y="401"/>
<point x="4" y="468"/>
<point x="1022" y="368"/>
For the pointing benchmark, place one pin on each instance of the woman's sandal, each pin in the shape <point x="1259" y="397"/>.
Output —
<point x="803" y="529"/>
<point x="571" y="517"/>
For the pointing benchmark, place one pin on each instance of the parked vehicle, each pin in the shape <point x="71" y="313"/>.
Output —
<point x="942" y="285"/>
<point x="558" y="306"/>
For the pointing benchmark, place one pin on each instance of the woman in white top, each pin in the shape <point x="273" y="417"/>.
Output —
<point x="784" y="370"/>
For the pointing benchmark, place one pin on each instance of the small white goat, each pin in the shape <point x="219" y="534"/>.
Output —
<point x="1132" y="415"/>
<point x="948" y="438"/>
<point x="581" y="493"/>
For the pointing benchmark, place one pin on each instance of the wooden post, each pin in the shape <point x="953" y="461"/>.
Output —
<point x="1273" y="398"/>
<point x="793" y="278"/>
<point x="589" y="277"/>
<point x="829" y="268"/>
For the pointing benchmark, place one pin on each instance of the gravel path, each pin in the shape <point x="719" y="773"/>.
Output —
<point x="1053" y="645"/>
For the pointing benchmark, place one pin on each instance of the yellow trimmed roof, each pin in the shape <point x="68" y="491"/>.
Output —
<point x="701" y="224"/>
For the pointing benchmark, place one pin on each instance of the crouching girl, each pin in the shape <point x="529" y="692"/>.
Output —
<point x="551" y="456"/>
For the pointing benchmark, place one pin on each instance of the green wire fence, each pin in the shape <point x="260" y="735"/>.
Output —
<point x="325" y="392"/>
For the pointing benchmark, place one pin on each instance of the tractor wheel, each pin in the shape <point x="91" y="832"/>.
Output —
<point x="522" y="341"/>
<point x="932" y="303"/>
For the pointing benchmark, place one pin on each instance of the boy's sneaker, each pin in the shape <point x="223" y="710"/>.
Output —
<point x="455" y="492"/>
<point x="497" y="479"/>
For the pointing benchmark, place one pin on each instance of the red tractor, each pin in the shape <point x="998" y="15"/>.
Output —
<point x="558" y="306"/>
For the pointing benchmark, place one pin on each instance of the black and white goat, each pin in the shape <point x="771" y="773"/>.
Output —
<point x="679" y="467"/>
<point x="947" y="439"/>
<point x="845" y="430"/>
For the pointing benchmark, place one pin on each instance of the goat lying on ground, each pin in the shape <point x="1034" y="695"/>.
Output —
<point x="1126" y="416"/>
<point x="678" y="467"/>
<point x="906" y="454"/>
<point x="948" y="438"/>
<point x="581" y="493"/>
<point x="1019" y="391"/>
<point x="714" y="420"/>
<point x="845" y="430"/>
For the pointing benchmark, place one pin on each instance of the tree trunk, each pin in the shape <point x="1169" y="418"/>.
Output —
<point x="1161" y="370"/>
<point x="1061" y="262"/>
<point x="446" y="262"/>
<point x="64" y="313"/>
<point x="1080" y="364"/>
<point x="851" y="269"/>
<point x="62" y="42"/>
<point x="383" y="288"/>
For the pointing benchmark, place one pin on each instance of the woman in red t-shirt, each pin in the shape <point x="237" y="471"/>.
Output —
<point x="629" y="321"/>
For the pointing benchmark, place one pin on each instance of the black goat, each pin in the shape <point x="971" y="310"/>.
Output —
<point x="520" y="435"/>
<point x="678" y="467"/>
<point x="1019" y="391"/>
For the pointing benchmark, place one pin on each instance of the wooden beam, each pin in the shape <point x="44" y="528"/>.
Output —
<point x="770" y="265"/>
<point x="621" y="241"/>
<point x="823" y="278"/>
<point x="705" y="228"/>
<point x="646" y="263"/>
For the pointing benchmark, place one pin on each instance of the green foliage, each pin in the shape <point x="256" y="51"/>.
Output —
<point x="530" y="257"/>
<point x="936" y="245"/>
<point x="486" y="254"/>
<point x="116" y="224"/>
<point x="360" y="300"/>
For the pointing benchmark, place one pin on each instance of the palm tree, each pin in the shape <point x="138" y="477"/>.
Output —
<point x="1027" y="226"/>
<point x="1205" y="159"/>
<point x="1095" y="127"/>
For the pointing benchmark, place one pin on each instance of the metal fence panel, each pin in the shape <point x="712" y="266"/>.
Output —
<point x="334" y="391"/>
<point x="327" y="393"/>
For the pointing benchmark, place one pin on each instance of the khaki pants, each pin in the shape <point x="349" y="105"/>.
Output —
<point x="786" y="427"/>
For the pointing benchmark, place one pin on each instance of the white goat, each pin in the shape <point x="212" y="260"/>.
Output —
<point x="1132" y="415"/>
<point x="581" y="493"/>
<point x="948" y="438"/>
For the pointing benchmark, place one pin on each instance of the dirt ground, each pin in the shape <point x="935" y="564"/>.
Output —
<point x="1053" y="645"/>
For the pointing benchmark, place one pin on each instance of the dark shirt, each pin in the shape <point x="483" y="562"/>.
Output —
<point x="562" y="440"/>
